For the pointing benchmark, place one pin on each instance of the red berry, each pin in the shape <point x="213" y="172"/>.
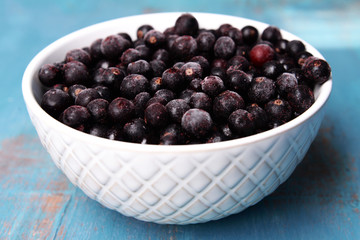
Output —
<point x="261" y="53"/>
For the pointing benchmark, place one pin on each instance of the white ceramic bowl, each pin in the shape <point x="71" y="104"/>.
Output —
<point x="171" y="184"/>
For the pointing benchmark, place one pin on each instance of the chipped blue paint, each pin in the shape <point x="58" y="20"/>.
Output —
<point x="319" y="201"/>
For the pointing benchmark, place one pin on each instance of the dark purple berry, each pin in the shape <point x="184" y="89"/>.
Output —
<point x="55" y="101"/>
<point x="238" y="63"/>
<point x="197" y="122"/>
<point x="301" y="98"/>
<point x="272" y="69"/>
<point x="99" y="130"/>
<point x="121" y="110"/>
<point x="212" y="85"/>
<point x="141" y="67"/>
<point x="158" y="67"/>
<point x="186" y="24"/>
<point x="278" y="111"/>
<point x="294" y="47"/>
<point x="152" y="100"/>
<point x="135" y="130"/>
<point x="226" y="103"/>
<point x="281" y="46"/>
<point x="259" y="115"/>
<point x="195" y="84"/>
<point x="161" y="54"/>
<point x="156" y="115"/>
<point x="49" y="75"/>
<point x="142" y="30"/>
<point x="172" y="135"/>
<point x="250" y="35"/>
<point x="302" y="56"/>
<point x="316" y="70"/>
<point x="224" y="47"/>
<point x="206" y="41"/>
<point x="125" y="36"/>
<point x="110" y="77"/>
<point x="178" y="65"/>
<point x="260" y="54"/>
<point x="242" y="51"/>
<point x="173" y="80"/>
<point x="85" y="96"/>
<point x="262" y="90"/>
<point x="286" y="83"/>
<point x="204" y="63"/>
<point x="75" y="73"/>
<point x="75" y="115"/>
<point x="219" y="63"/>
<point x="116" y="133"/>
<point x="78" y="55"/>
<point x="186" y="95"/>
<point x="235" y="35"/>
<point x="140" y="102"/>
<point x="154" y="39"/>
<point x="176" y="109"/>
<point x="238" y="81"/>
<point x="241" y="122"/>
<point x="98" y="109"/>
<point x="155" y="84"/>
<point x="104" y="92"/>
<point x="200" y="100"/>
<point x="184" y="48"/>
<point x="191" y="70"/>
<point x="223" y="29"/>
<point x="113" y="46"/>
<point x="130" y="55"/>
<point x="75" y="89"/>
<point x="218" y="72"/>
<point x="271" y="34"/>
<point x="144" y="51"/>
<point x="287" y="61"/>
<point x="167" y="94"/>
<point x="95" y="50"/>
<point x="60" y="86"/>
<point x="132" y="85"/>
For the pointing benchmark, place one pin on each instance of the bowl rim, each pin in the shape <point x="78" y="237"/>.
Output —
<point x="31" y="103"/>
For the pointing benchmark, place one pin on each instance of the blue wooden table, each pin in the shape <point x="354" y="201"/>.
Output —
<point x="319" y="201"/>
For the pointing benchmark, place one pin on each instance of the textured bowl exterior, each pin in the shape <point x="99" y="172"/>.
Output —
<point x="171" y="184"/>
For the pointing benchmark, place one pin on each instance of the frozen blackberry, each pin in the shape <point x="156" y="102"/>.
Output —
<point x="262" y="90"/>
<point x="241" y="122"/>
<point x="55" y="101"/>
<point x="197" y="122"/>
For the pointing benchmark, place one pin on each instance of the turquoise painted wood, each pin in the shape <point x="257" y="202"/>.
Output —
<point x="319" y="201"/>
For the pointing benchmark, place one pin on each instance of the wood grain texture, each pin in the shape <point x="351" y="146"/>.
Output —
<point x="319" y="201"/>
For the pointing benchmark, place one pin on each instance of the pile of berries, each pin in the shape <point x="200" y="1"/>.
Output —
<point x="184" y="85"/>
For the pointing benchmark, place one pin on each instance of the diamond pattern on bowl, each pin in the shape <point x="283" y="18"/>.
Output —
<point x="179" y="189"/>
